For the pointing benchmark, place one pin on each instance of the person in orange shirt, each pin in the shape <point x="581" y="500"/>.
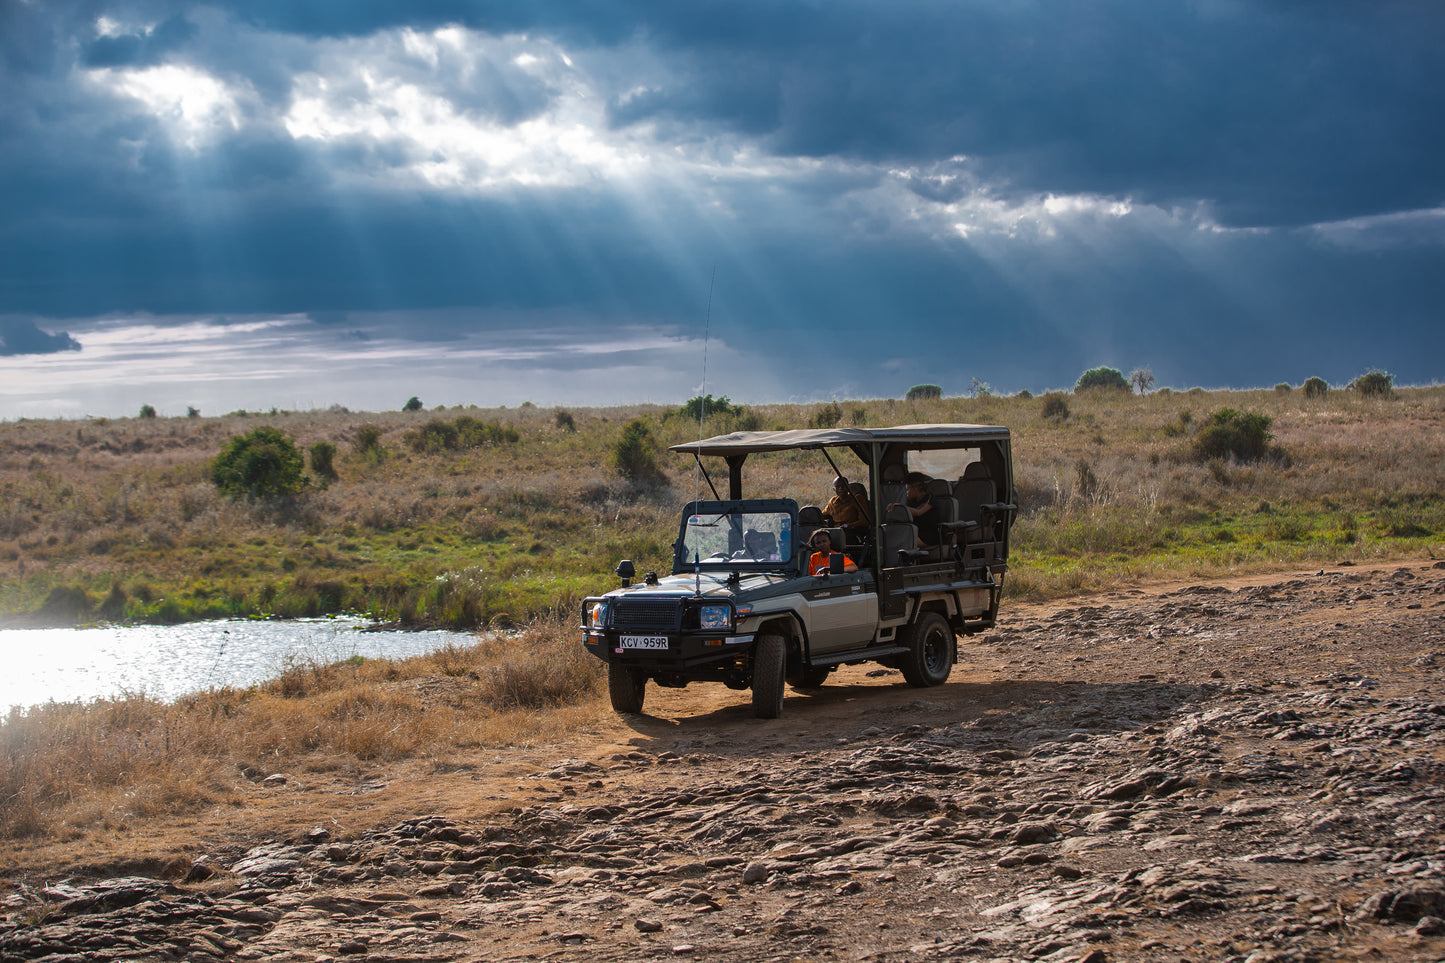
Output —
<point x="822" y="544"/>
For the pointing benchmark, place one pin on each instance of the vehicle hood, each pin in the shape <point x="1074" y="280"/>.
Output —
<point x="709" y="584"/>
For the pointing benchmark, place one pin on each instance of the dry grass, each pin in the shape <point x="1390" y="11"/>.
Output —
<point x="123" y="512"/>
<point x="76" y="768"/>
<point x="119" y="518"/>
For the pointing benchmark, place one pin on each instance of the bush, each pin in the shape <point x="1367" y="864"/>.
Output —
<point x="634" y="457"/>
<point x="412" y="404"/>
<point x="827" y="416"/>
<point x="192" y="411"/>
<point x="368" y="441"/>
<point x="703" y="405"/>
<point x="924" y="393"/>
<point x="1055" y="408"/>
<point x="1229" y="433"/>
<point x="466" y="432"/>
<point x="1374" y="384"/>
<point x="1102" y="379"/>
<point x="564" y="420"/>
<point x="1316" y="388"/>
<point x="1282" y="388"/>
<point x="147" y="411"/>
<point x="261" y="464"/>
<point x="322" y="453"/>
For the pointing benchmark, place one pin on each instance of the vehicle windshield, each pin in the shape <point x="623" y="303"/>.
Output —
<point x="730" y="538"/>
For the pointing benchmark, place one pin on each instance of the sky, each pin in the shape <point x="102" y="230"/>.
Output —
<point x="277" y="204"/>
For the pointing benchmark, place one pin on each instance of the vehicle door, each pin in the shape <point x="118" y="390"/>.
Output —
<point x="842" y="611"/>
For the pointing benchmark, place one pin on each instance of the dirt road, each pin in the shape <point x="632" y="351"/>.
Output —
<point x="1250" y="770"/>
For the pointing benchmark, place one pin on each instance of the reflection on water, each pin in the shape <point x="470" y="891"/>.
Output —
<point x="165" y="661"/>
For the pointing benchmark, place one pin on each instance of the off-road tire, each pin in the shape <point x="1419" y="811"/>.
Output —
<point x="770" y="661"/>
<point x="930" y="651"/>
<point x="809" y="676"/>
<point x="626" y="687"/>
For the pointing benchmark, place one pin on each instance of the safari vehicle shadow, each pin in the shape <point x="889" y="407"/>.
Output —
<point x="1010" y="716"/>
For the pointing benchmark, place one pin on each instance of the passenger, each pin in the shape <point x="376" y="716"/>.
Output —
<point x="920" y="506"/>
<point x="822" y="551"/>
<point x="844" y="510"/>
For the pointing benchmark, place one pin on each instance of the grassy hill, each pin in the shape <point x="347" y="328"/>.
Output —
<point x="119" y="519"/>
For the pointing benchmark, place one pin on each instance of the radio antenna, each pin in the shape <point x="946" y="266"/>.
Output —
<point x="702" y="389"/>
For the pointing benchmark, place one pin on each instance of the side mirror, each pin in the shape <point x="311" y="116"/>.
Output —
<point x="625" y="571"/>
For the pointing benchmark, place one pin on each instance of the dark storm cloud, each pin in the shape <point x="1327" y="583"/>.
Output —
<point x="23" y="336"/>
<point x="899" y="156"/>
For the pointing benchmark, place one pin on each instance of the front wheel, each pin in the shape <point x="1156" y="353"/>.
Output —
<point x="626" y="687"/>
<point x="770" y="661"/>
<point x="930" y="651"/>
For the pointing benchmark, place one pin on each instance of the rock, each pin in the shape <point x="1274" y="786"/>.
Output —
<point x="756" y="873"/>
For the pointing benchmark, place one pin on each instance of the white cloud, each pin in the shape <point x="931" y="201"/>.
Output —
<point x="190" y="101"/>
<point x="1402" y="229"/>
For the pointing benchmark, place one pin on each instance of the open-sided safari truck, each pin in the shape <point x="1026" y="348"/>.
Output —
<point x="741" y="607"/>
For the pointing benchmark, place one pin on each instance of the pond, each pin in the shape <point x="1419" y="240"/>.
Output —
<point x="166" y="661"/>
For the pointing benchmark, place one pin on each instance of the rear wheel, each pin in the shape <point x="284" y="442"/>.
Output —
<point x="770" y="658"/>
<point x="930" y="651"/>
<point x="626" y="687"/>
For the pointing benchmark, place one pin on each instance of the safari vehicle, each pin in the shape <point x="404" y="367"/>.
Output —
<point x="740" y="606"/>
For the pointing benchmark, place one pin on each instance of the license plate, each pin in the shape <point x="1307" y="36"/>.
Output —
<point x="644" y="641"/>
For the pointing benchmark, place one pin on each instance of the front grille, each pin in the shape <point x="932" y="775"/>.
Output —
<point x="645" y="614"/>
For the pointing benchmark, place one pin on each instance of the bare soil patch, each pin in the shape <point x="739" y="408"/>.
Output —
<point x="1249" y="770"/>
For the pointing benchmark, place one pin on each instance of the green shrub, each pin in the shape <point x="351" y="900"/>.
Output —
<point x="703" y="405"/>
<point x="1374" y="384"/>
<point x="564" y="420"/>
<point x="147" y="411"/>
<point x="1316" y="388"/>
<point x="261" y="464"/>
<point x="826" y="416"/>
<point x="1102" y="379"/>
<point x="368" y="441"/>
<point x="436" y="435"/>
<point x="1282" y="388"/>
<point x="322" y="454"/>
<point x="634" y="457"/>
<point x="1055" y="408"/>
<point x="412" y="404"/>
<point x="924" y="393"/>
<point x="192" y="411"/>
<point x="1229" y="433"/>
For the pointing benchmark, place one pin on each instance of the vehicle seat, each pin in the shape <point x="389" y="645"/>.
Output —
<point x="860" y="492"/>
<point x="900" y="538"/>
<point x="810" y="519"/>
<point x="940" y="493"/>
<point x="895" y="485"/>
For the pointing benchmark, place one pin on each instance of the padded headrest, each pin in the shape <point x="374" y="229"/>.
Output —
<point x="894" y="473"/>
<point x="899" y="513"/>
<point x="976" y="469"/>
<point x="810" y="515"/>
<point x="938" y="487"/>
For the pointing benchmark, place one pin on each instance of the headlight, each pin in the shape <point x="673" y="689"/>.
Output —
<point x="715" y="618"/>
<point x="597" y="615"/>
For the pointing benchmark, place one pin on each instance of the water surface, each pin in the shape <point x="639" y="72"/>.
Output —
<point x="165" y="661"/>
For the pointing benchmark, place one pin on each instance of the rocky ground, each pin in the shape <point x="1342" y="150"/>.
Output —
<point x="1249" y="771"/>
